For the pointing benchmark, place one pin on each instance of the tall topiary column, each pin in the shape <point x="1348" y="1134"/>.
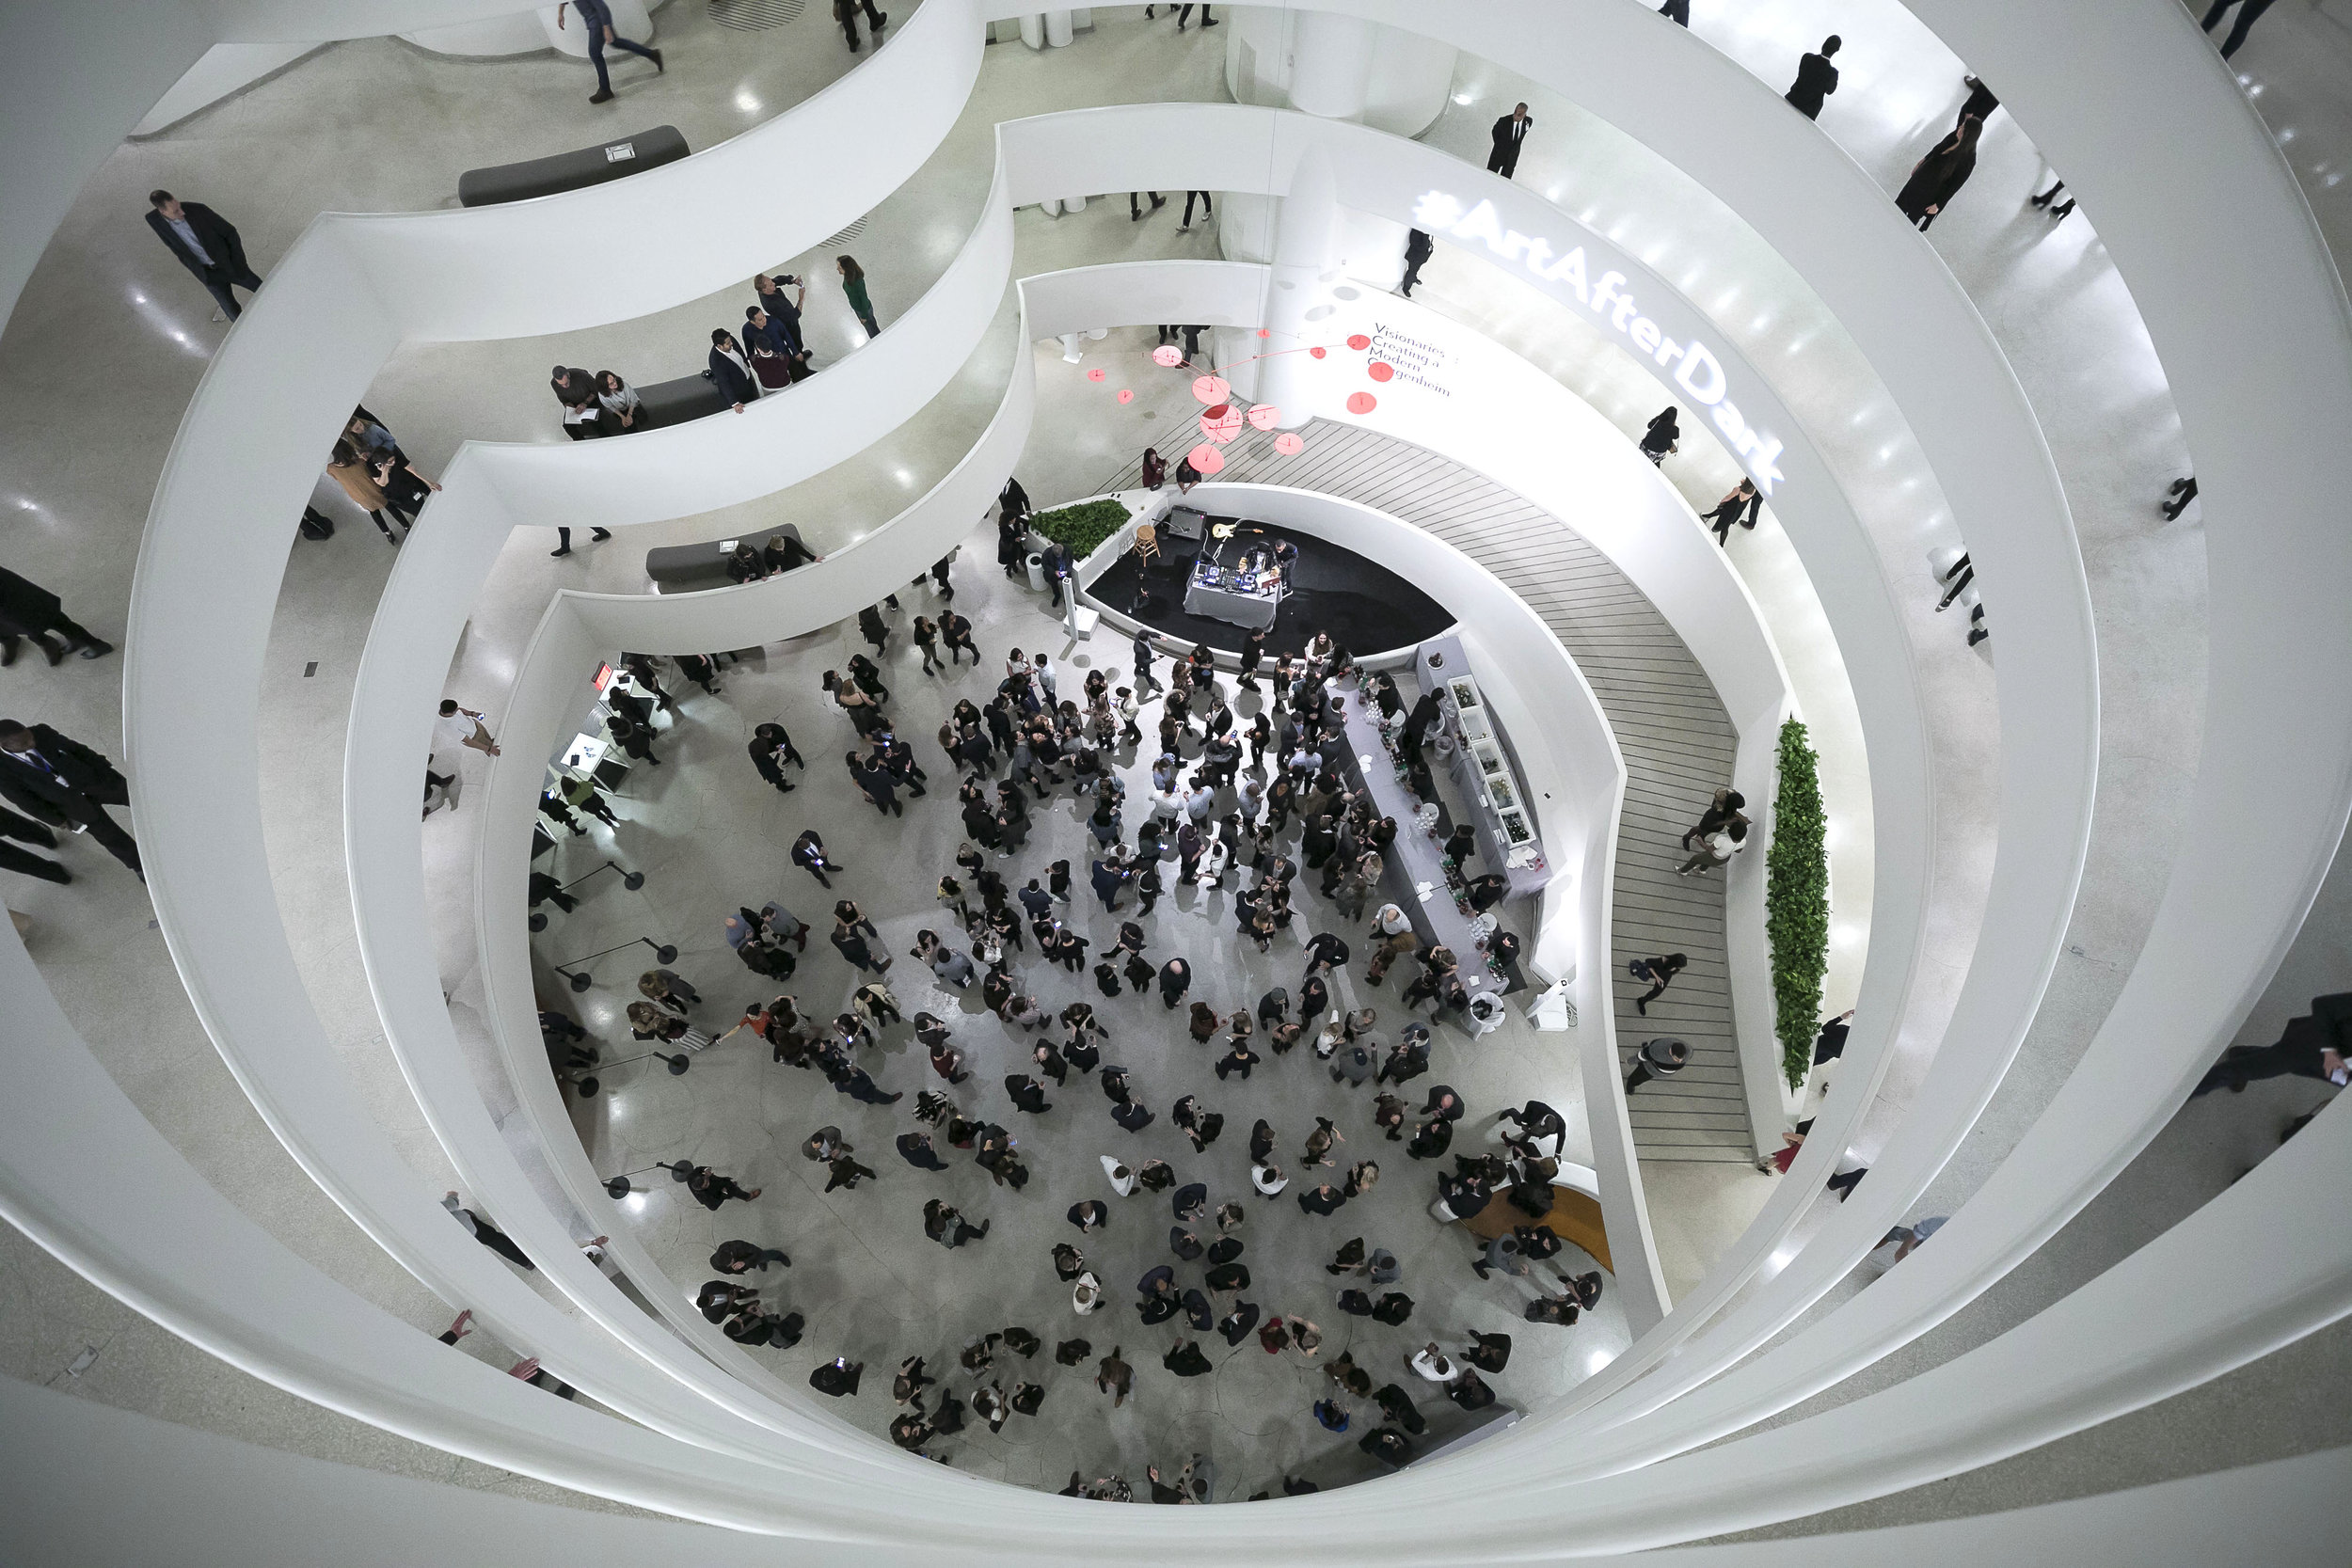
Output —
<point x="1796" y="902"/>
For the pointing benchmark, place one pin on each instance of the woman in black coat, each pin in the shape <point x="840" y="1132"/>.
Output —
<point x="850" y="931"/>
<point x="744" y="564"/>
<point x="731" y="370"/>
<point x="1937" y="178"/>
<point x="1663" y="435"/>
<point x="1012" y="535"/>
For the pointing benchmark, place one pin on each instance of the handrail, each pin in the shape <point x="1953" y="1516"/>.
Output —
<point x="207" y="1497"/>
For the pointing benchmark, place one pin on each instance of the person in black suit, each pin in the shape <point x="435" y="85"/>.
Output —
<point x="2315" y="1045"/>
<point x="845" y="12"/>
<point x="206" y="245"/>
<point x="2250" y="13"/>
<point x="1510" y="132"/>
<point x="731" y="370"/>
<point x="770" y="749"/>
<point x="23" y="861"/>
<point x="1816" y="80"/>
<point x="28" y="609"/>
<point x="61" y="782"/>
<point x="1418" y="249"/>
<point x="1677" y="12"/>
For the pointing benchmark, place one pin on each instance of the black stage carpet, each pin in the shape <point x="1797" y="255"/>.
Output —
<point x="1367" y="608"/>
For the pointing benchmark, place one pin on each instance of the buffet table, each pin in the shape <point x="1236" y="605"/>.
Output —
<point x="1412" y="872"/>
<point x="1477" y="754"/>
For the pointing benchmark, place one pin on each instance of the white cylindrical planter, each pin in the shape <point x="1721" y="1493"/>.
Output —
<point x="1033" y="30"/>
<point x="1074" y="203"/>
<point x="1058" y="29"/>
<point x="631" y="20"/>
<point x="1331" y="64"/>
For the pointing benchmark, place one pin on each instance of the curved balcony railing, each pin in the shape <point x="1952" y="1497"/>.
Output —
<point x="2276" y="776"/>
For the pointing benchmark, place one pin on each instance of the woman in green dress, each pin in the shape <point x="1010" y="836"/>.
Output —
<point x="853" y="284"/>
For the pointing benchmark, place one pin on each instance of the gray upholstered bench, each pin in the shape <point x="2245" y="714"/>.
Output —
<point x="690" y="568"/>
<point x="690" y="397"/>
<point x="568" y="171"/>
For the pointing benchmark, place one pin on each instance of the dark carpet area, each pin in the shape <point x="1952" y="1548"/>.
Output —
<point x="1366" y="607"/>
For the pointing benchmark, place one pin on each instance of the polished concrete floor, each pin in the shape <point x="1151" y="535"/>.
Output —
<point x="98" y="362"/>
<point x="711" y="836"/>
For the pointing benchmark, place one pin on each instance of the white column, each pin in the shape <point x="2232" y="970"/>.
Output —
<point x="1245" y="225"/>
<point x="1236" y="350"/>
<point x="1057" y="30"/>
<point x="1412" y="77"/>
<point x="1033" y="30"/>
<point x="1306" y="232"/>
<point x="1331" y="64"/>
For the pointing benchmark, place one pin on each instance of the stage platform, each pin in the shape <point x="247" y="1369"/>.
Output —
<point x="1366" y="607"/>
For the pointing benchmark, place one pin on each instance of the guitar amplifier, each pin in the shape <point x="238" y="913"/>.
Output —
<point x="1186" y="522"/>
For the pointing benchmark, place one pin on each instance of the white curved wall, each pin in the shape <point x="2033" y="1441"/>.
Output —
<point x="518" y="33"/>
<point x="293" y="361"/>
<point x="1398" y="83"/>
<point x="2272" y="795"/>
<point x="449" y="321"/>
<point x="224" y="69"/>
<point x="2258" y="371"/>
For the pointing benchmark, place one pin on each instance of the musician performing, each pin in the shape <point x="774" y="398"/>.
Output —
<point x="1248" y="593"/>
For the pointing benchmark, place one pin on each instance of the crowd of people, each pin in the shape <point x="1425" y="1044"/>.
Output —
<point x="1241" y="802"/>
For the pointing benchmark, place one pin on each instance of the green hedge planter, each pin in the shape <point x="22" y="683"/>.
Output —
<point x="1796" y="903"/>
<point x="1081" y="529"/>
